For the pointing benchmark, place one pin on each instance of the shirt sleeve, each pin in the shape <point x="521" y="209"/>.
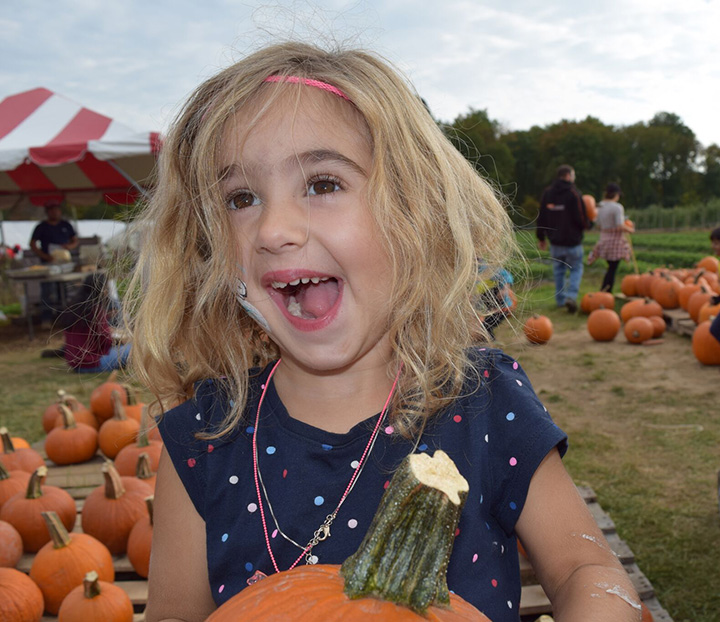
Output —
<point x="179" y="428"/>
<point x="521" y="434"/>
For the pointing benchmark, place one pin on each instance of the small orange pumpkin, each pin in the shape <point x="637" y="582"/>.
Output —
<point x="697" y="300"/>
<point x="11" y="546"/>
<point x="709" y="263"/>
<point x="101" y="401"/>
<point x="20" y="599"/>
<point x="628" y="285"/>
<point x="659" y="326"/>
<point x="140" y="542"/>
<point x="595" y="300"/>
<point x="708" y="311"/>
<point x="590" y="207"/>
<point x="603" y="324"/>
<point x="111" y="510"/>
<point x="638" y="329"/>
<point x="24" y="510"/>
<point x="18" y="459"/>
<point x="643" y="308"/>
<point x="72" y="443"/>
<point x="62" y="563"/>
<point x="118" y="431"/>
<point x="51" y="416"/>
<point x="96" y="600"/>
<point x="11" y="483"/>
<point x="538" y="329"/>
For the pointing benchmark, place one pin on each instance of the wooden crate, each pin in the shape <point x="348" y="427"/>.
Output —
<point x="79" y="480"/>
<point x="679" y="321"/>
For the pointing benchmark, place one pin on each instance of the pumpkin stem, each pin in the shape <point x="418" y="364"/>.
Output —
<point x="118" y="408"/>
<point x="150" y="503"/>
<point x="403" y="557"/>
<point x="7" y="443"/>
<point x="114" y="488"/>
<point x="3" y="472"/>
<point x="34" y="488"/>
<point x="91" y="586"/>
<point x="67" y="416"/>
<point x="143" y="470"/>
<point x="58" y="534"/>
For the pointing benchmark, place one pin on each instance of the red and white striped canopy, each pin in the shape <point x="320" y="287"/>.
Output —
<point x="54" y="148"/>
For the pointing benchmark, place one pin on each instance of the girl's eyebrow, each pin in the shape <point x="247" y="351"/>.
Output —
<point x="312" y="156"/>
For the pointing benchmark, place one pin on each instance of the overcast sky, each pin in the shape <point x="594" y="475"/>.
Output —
<point x="526" y="62"/>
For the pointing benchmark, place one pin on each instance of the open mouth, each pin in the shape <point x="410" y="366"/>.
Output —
<point x="308" y="298"/>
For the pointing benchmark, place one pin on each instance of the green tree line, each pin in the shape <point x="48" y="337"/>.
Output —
<point x="657" y="163"/>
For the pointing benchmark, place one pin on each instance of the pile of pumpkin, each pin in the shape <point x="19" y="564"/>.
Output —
<point x="655" y="292"/>
<point x="72" y="573"/>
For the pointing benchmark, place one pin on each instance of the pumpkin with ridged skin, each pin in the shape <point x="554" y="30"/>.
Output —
<point x="659" y="325"/>
<point x="118" y="431"/>
<point x="709" y="263"/>
<point x="628" y="285"/>
<point x="96" y="601"/>
<point x="72" y="442"/>
<point x="20" y="599"/>
<point x="111" y="510"/>
<point x="24" y="510"/>
<point x="697" y="300"/>
<point x="538" y="329"/>
<point x="603" y="324"/>
<point x="11" y="546"/>
<point x="398" y="537"/>
<point x="62" y="563"/>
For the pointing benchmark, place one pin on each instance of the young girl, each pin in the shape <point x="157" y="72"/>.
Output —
<point x="612" y="245"/>
<point x="89" y="345"/>
<point x="306" y="311"/>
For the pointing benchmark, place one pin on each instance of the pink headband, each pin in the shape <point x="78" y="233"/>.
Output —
<point x="309" y="82"/>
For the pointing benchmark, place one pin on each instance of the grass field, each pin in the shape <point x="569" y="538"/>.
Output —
<point x="643" y="422"/>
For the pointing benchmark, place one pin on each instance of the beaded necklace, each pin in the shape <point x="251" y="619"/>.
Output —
<point x="322" y="532"/>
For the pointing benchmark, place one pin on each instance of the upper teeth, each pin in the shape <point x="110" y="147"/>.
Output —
<point x="304" y="281"/>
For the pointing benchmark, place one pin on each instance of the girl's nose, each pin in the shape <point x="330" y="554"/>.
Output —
<point x="284" y="225"/>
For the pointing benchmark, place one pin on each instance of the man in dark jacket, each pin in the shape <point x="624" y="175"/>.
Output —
<point x="562" y="220"/>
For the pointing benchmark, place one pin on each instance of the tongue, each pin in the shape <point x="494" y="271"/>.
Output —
<point x="317" y="299"/>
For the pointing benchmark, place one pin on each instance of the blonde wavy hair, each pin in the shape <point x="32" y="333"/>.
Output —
<point x="436" y="215"/>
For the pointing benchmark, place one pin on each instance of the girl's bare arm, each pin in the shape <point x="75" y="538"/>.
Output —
<point x="178" y="586"/>
<point x="575" y="565"/>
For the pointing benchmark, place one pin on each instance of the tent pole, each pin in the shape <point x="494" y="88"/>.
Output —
<point x="129" y="179"/>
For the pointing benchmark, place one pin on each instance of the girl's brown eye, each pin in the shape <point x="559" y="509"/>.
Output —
<point x="241" y="200"/>
<point x="323" y="186"/>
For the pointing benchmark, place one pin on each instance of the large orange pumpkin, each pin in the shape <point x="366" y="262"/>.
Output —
<point x="412" y="533"/>
<point x="538" y="329"/>
<point x="705" y="347"/>
<point x="20" y="599"/>
<point x="666" y="291"/>
<point x="638" y="329"/>
<point x="72" y="442"/>
<point x="603" y="324"/>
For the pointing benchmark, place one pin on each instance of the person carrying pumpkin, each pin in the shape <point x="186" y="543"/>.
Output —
<point x="304" y="315"/>
<point x="613" y="244"/>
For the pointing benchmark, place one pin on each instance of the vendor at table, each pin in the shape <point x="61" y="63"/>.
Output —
<point x="51" y="234"/>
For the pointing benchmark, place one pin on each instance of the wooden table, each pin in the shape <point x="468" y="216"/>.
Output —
<point x="26" y="278"/>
